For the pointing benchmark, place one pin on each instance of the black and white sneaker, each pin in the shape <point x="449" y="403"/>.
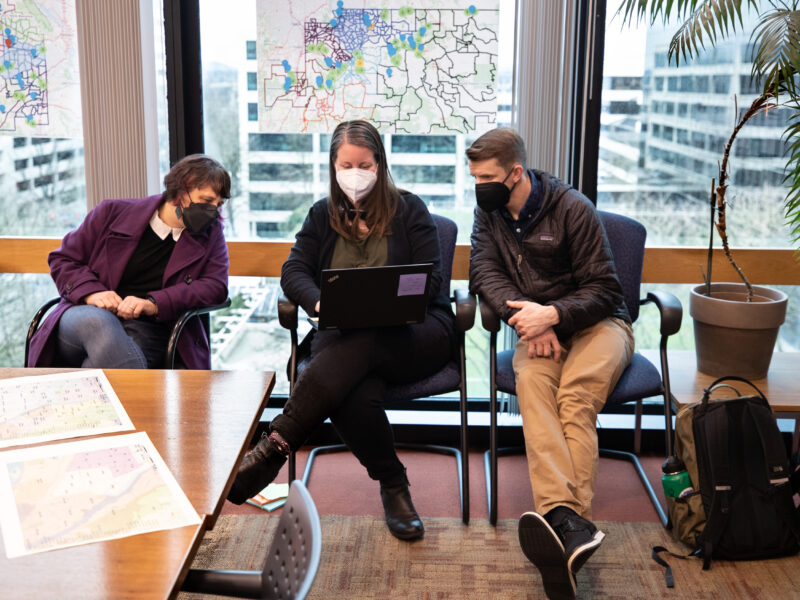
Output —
<point x="542" y="546"/>
<point x="580" y="537"/>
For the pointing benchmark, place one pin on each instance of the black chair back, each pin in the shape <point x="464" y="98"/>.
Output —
<point x="626" y="238"/>
<point x="448" y="232"/>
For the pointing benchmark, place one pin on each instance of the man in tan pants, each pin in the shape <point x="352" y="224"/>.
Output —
<point x="540" y="258"/>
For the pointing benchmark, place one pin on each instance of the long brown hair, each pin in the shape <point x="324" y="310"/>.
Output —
<point x="378" y="208"/>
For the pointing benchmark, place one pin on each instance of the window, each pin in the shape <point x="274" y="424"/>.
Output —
<point x="279" y="200"/>
<point x="722" y="84"/>
<point x="280" y="142"/>
<point x="20" y="163"/>
<point x="666" y="185"/>
<point x="433" y="144"/>
<point x="280" y="172"/>
<point x="277" y="175"/>
<point x="406" y="174"/>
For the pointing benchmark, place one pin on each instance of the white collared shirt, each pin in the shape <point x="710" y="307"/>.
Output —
<point x="162" y="230"/>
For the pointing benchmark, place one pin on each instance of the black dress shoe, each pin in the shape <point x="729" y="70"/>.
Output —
<point x="258" y="469"/>
<point x="401" y="516"/>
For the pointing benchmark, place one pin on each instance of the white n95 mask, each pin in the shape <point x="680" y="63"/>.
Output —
<point x="356" y="183"/>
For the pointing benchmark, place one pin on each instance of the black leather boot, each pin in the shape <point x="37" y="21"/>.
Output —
<point x="258" y="469"/>
<point x="401" y="516"/>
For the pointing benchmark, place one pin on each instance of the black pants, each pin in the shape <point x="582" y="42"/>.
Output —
<point x="345" y="379"/>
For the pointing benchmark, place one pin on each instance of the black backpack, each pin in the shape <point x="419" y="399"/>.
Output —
<point x="742" y="478"/>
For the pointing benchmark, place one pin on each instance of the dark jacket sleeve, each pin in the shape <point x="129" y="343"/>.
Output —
<point x="488" y="272"/>
<point x="598" y="291"/>
<point x="202" y="285"/>
<point x="69" y="263"/>
<point x="300" y="272"/>
<point x="423" y="240"/>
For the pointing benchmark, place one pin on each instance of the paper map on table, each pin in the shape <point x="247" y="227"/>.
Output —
<point x="52" y="407"/>
<point x="87" y="491"/>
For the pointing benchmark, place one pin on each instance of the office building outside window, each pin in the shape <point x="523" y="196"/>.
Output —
<point x="277" y="176"/>
<point x="657" y="160"/>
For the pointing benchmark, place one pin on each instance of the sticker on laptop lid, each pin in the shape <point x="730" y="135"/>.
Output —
<point x="412" y="284"/>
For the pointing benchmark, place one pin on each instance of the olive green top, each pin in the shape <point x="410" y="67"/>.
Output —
<point x="370" y="252"/>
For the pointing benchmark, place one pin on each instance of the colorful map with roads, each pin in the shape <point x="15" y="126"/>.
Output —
<point x="416" y="67"/>
<point x="39" y="83"/>
<point x="57" y="406"/>
<point x="87" y="491"/>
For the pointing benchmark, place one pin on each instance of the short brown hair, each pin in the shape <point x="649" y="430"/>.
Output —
<point x="193" y="172"/>
<point x="503" y="144"/>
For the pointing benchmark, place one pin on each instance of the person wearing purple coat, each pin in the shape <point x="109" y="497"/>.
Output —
<point x="129" y="271"/>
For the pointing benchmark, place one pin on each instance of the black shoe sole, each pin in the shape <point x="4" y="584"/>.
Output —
<point x="407" y="536"/>
<point x="582" y="553"/>
<point x="543" y="548"/>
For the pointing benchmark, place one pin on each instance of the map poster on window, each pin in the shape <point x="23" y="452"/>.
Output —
<point x="39" y="83"/>
<point x="413" y="66"/>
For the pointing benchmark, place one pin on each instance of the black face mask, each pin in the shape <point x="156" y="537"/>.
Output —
<point x="494" y="194"/>
<point x="198" y="216"/>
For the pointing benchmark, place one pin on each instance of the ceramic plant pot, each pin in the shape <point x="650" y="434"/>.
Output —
<point x="733" y="336"/>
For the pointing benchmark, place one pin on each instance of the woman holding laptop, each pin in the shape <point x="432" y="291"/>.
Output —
<point x="364" y="222"/>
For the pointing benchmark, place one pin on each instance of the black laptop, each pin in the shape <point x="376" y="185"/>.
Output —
<point x="374" y="296"/>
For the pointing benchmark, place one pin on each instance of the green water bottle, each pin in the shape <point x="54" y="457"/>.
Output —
<point x="675" y="479"/>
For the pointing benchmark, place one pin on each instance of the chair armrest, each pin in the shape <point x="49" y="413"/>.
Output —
<point x="465" y="310"/>
<point x="287" y="312"/>
<point x="670" y="309"/>
<point x="489" y="319"/>
<point x="177" y="328"/>
<point x="36" y="321"/>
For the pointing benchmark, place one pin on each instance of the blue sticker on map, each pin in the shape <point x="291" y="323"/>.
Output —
<point x="412" y="284"/>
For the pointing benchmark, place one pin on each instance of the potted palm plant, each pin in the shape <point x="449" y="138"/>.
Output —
<point x="736" y="324"/>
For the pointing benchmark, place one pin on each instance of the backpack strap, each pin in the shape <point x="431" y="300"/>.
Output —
<point x="707" y="391"/>
<point x="715" y="453"/>
<point x="776" y="464"/>
<point x="668" y="578"/>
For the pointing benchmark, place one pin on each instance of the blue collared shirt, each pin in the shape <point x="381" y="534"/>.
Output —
<point x="529" y="210"/>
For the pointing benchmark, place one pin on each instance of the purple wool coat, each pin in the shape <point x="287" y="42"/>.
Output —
<point x="93" y="257"/>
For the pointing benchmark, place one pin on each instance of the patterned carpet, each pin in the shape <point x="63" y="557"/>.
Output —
<point x="362" y="561"/>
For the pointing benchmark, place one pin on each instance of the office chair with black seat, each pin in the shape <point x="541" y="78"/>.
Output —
<point x="641" y="379"/>
<point x="172" y="343"/>
<point x="291" y="564"/>
<point x="450" y="378"/>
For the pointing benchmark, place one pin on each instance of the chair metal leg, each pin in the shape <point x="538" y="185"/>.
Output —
<point x="455" y="452"/>
<point x="239" y="584"/>
<point x="492" y="466"/>
<point x="634" y="460"/>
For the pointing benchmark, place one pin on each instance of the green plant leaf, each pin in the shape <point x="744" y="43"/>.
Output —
<point x="776" y="59"/>
<point x="702" y="24"/>
<point x="792" y="171"/>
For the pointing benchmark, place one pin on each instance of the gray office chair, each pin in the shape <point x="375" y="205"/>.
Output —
<point x="452" y="377"/>
<point x="172" y="344"/>
<point x="291" y="564"/>
<point x="641" y="379"/>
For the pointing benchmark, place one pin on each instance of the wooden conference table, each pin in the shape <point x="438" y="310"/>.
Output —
<point x="200" y="422"/>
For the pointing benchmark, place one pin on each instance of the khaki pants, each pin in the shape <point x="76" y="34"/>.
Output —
<point x="559" y="402"/>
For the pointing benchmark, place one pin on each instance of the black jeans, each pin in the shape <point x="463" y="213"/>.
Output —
<point x="345" y="379"/>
